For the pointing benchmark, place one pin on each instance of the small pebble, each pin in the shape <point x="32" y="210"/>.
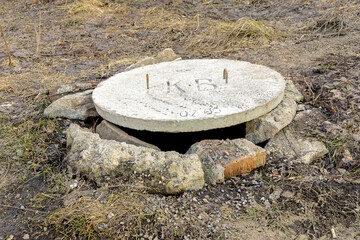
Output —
<point x="110" y="215"/>
<point x="74" y="185"/>
<point x="300" y="107"/>
<point x="102" y="227"/>
<point x="26" y="236"/>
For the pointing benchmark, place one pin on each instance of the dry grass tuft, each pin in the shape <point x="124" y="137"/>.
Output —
<point x="14" y="62"/>
<point x="86" y="7"/>
<point x="245" y="31"/>
<point x="204" y="34"/>
<point x="158" y="28"/>
<point x="89" y="218"/>
<point x="122" y="215"/>
<point x="38" y="80"/>
<point x="334" y="20"/>
<point x="7" y="88"/>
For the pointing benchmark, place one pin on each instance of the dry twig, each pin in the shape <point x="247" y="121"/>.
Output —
<point x="38" y="34"/>
<point x="7" y="48"/>
<point x="24" y="209"/>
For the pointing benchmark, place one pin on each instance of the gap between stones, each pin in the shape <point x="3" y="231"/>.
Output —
<point x="181" y="142"/>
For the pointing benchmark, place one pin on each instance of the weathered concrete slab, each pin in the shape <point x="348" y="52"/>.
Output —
<point x="190" y="95"/>
<point x="75" y="106"/>
<point x="110" y="131"/>
<point x="161" y="172"/>
<point x="224" y="159"/>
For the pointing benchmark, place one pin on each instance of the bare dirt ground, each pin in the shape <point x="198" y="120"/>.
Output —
<point x="53" y="42"/>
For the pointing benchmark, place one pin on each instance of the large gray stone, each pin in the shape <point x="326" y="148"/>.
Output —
<point x="289" y="144"/>
<point x="189" y="95"/>
<point x="110" y="131"/>
<point x="292" y="92"/>
<point x="268" y="125"/>
<point x="165" y="55"/>
<point x="75" y="106"/>
<point x="161" y="172"/>
<point x="224" y="159"/>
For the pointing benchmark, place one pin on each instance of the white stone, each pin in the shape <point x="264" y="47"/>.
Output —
<point x="292" y="92"/>
<point x="74" y="106"/>
<point x="291" y="145"/>
<point x="189" y="95"/>
<point x="268" y="125"/>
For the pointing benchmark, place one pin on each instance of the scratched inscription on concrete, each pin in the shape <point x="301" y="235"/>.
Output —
<point x="189" y="95"/>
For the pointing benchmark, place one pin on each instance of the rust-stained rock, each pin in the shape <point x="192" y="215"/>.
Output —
<point x="224" y="159"/>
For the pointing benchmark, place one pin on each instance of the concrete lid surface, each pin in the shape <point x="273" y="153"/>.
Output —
<point x="189" y="95"/>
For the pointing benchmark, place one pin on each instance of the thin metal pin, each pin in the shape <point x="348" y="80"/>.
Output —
<point x="226" y="75"/>
<point x="147" y="81"/>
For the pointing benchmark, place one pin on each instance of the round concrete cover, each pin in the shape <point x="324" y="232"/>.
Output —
<point x="189" y="95"/>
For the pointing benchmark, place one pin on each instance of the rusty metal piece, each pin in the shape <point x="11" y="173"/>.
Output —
<point x="147" y="81"/>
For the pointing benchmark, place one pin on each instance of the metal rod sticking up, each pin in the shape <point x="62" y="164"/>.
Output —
<point x="226" y="75"/>
<point x="147" y="81"/>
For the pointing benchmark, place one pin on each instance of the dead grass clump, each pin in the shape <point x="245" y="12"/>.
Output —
<point x="156" y="28"/>
<point x="7" y="88"/>
<point x="87" y="8"/>
<point x="334" y="20"/>
<point x="14" y="62"/>
<point x="204" y="34"/>
<point x="222" y="36"/>
<point x="125" y="215"/>
<point x="330" y="23"/>
<point x="246" y="31"/>
<point x="40" y="79"/>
